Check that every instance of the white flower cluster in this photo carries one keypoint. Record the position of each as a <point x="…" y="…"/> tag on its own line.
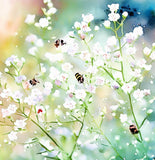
<point x="10" y="110"/>
<point x="83" y="27"/>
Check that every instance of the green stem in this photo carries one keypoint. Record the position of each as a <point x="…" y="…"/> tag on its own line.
<point x="105" y="136"/>
<point x="82" y="124"/>
<point x="48" y="135"/>
<point x="122" y="69"/>
<point x="110" y="75"/>
<point x="133" y="114"/>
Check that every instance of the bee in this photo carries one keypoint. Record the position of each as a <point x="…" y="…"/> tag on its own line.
<point x="59" y="42"/>
<point x="79" y="77"/>
<point x="133" y="129"/>
<point x="33" y="82"/>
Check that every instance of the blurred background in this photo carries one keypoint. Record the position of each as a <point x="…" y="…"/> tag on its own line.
<point x="13" y="30"/>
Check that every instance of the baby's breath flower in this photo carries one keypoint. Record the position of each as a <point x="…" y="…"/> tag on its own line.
<point x="127" y="87"/>
<point x="130" y="37"/>
<point x="111" y="41"/>
<point x="85" y="55"/>
<point x="96" y="28"/>
<point x="30" y="19"/>
<point x="106" y="24"/>
<point x="113" y="7"/>
<point x="152" y="56"/>
<point x="123" y="118"/>
<point x="43" y="22"/>
<point x="87" y="18"/>
<point x="80" y="94"/>
<point x="31" y="38"/>
<point x="97" y="49"/>
<point x="113" y="17"/>
<point x="149" y="111"/>
<point x="20" y="124"/>
<point x="11" y="60"/>
<point x="33" y="51"/>
<point x="54" y="73"/>
<point x="69" y="103"/>
<point x="20" y="78"/>
<point x="66" y="67"/>
<point x="51" y="11"/>
<point x="12" y="136"/>
<point x="146" y="51"/>
<point x="99" y="81"/>
<point x="125" y="14"/>
<point x="77" y="25"/>
<point x="138" y="31"/>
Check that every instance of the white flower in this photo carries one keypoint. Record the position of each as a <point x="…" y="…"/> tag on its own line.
<point x="125" y="14"/>
<point x="39" y="43"/>
<point x="97" y="49"/>
<point x="5" y="113"/>
<point x="113" y="16"/>
<point x="69" y="103"/>
<point x="111" y="41"/>
<point x="85" y="27"/>
<point x="54" y="57"/>
<point x="52" y="11"/>
<point x="114" y="107"/>
<point x="80" y="94"/>
<point x="43" y="22"/>
<point x="30" y="19"/>
<point x="56" y="93"/>
<point x="85" y="55"/>
<point x="66" y="67"/>
<point x="33" y="51"/>
<point x="92" y="69"/>
<point x="20" y="124"/>
<point x="149" y="111"/>
<point x="130" y="50"/>
<point x="99" y="81"/>
<point x="123" y="118"/>
<point x="31" y="38"/>
<point x="11" y="60"/>
<point x="146" y="51"/>
<point x="12" y="136"/>
<point x="63" y="77"/>
<point x="136" y="73"/>
<point x="152" y="56"/>
<point x="35" y="97"/>
<point x="54" y="73"/>
<point x="138" y="94"/>
<point x="77" y="25"/>
<point x="20" y="78"/>
<point x="146" y="92"/>
<point x="91" y="88"/>
<point x="113" y="7"/>
<point x="130" y="37"/>
<point x="47" y="88"/>
<point x="6" y="93"/>
<point x="96" y="28"/>
<point x="127" y="87"/>
<point x="106" y="23"/>
<point x="138" y="31"/>
<point x="12" y="108"/>
<point x="87" y="18"/>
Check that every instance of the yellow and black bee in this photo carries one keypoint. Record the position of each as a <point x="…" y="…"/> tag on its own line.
<point x="133" y="129"/>
<point x="33" y="82"/>
<point x="79" y="77"/>
<point x="59" y="42"/>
